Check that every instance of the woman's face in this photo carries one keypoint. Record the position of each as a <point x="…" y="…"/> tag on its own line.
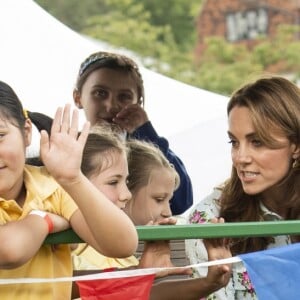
<point x="105" y="93"/>
<point x="112" y="179"/>
<point x="12" y="158"/>
<point x="152" y="202"/>
<point x="258" y="167"/>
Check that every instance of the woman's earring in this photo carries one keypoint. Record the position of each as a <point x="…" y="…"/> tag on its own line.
<point x="295" y="163"/>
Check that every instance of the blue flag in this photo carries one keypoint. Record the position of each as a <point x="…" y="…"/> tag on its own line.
<point x="275" y="273"/>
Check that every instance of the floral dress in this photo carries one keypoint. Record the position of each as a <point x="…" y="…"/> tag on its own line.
<point x="239" y="286"/>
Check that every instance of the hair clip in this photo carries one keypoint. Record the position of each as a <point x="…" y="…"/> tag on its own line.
<point x="104" y="55"/>
<point x="92" y="59"/>
<point x="25" y="113"/>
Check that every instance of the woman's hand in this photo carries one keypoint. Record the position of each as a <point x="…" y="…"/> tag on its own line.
<point x="218" y="275"/>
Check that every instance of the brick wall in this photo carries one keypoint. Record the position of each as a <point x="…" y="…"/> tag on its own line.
<point x="241" y="21"/>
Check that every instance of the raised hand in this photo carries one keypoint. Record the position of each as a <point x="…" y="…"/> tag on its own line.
<point x="61" y="152"/>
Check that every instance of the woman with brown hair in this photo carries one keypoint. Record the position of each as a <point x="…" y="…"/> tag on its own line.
<point x="264" y="133"/>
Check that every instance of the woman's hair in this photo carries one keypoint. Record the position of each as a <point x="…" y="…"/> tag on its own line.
<point x="274" y="105"/>
<point x="112" y="61"/>
<point x="101" y="143"/>
<point x="143" y="157"/>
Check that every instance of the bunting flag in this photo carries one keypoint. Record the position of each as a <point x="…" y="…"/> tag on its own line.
<point x="133" y="287"/>
<point x="275" y="273"/>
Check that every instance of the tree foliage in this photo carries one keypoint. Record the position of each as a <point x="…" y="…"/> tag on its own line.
<point x="164" y="34"/>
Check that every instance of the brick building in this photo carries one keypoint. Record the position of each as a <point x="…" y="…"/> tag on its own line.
<point x="242" y="21"/>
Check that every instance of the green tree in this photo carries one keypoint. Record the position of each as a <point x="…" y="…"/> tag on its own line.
<point x="163" y="33"/>
<point x="73" y="13"/>
<point x="179" y="15"/>
<point x="224" y="66"/>
<point x="134" y="30"/>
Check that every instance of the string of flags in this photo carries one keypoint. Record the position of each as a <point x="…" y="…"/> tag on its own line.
<point x="274" y="273"/>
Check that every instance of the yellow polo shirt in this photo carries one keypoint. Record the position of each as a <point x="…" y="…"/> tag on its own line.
<point x="43" y="193"/>
<point x="85" y="257"/>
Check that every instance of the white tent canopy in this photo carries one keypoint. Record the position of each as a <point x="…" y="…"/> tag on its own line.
<point x="40" y="58"/>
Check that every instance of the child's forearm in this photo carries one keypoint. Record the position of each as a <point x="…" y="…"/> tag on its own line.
<point x="111" y="228"/>
<point x="183" y="289"/>
<point x="21" y="240"/>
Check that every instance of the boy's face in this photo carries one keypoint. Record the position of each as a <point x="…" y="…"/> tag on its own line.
<point x="105" y="93"/>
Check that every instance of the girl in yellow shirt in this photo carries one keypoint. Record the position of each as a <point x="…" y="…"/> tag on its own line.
<point x="59" y="189"/>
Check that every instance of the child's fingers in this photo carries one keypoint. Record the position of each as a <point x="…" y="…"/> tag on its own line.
<point x="56" y="124"/>
<point x="167" y="221"/>
<point x="65" y="122"/>
<point x="84" y="133"/>
<point x="150" y="223"/>
<point x="44" y="143"/>
<point x="127" y="110"/>
<point x="73" y="130"/>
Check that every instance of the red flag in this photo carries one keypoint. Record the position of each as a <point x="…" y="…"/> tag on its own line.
<point x="133" y="287"/>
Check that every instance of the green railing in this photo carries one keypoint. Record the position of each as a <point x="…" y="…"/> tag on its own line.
<point x="191" y="231"/>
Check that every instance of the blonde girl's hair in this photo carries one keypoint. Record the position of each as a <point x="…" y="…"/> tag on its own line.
<point x="143" y="157"/>
<point x="101" y="144"/>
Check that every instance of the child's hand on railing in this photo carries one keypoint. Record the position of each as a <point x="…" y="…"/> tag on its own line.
<point x="218" y="249"/>
<point x="59" y="223"/>
<point x="164" y="221"/>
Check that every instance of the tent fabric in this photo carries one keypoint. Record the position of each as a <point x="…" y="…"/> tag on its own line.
<point x="40" y="58"/>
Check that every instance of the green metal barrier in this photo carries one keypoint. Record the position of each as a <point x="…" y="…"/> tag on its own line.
<point x="191" y="231"/>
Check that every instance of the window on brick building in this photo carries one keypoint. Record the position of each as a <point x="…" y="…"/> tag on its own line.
<point x="246" y="25"/>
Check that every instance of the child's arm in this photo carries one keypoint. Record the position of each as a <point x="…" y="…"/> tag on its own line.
<point x="157" y="254"/>
<point x="20" y="240"/>
<point x="191" y="289"/>
<point x="98" y="221"/>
